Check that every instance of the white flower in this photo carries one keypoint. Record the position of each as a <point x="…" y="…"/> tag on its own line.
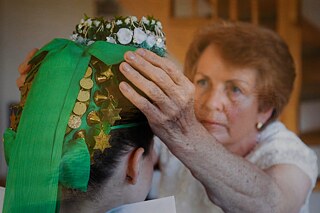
<point x="96" y="23"/>
<point x="145" y="20"/>
<point x="111" y="40"/>
<point x="159" y="24"/>
<point x="80" y="39"/>
<point x="82" y="21"/>
<point x="139" y="36"/>
<point x="74" y="37"/>
<point x="160" y="42"/>
<point x="80" y="26"/>
<point x="127" y="21"/>
<point x="124" y="35"/>
<point x="108" y="26"/>
<point x="88" y="22"/>
<point x="153" y="22"/>
<point x="90" y="42"/>
<point x="119" y="22"/>
<point x="134" y="19"/>
<point x="151" y="40"/>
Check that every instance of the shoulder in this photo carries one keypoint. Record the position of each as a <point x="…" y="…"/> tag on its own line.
<point x="278" y="145"/>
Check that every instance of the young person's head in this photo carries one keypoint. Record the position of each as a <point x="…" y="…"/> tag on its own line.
<point x="89" y="148"/>
<point x="121" y="174"/>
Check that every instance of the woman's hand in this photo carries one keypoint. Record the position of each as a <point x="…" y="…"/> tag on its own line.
<point x="169" y="108"/>
<point x="24" y="68"/>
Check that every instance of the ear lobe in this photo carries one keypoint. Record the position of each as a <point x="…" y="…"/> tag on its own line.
<point x="264" y="116"/>
<point x="133" y="167"/>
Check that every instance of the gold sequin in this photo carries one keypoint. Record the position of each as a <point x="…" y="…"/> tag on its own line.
<point x="88" y="72"/>
<point x="86" y="83"/>
<point x="74" y="122"/>
<point x="83" y="95"/>
<point x="79" y="108"/>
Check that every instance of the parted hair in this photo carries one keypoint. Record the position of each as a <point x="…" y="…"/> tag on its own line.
<point x="245" y="45"/>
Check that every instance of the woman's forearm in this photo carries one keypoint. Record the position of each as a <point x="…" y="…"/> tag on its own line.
<point x="231" y="182"/>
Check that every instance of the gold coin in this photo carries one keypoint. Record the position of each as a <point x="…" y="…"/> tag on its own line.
<point x="79" y="108"/>
<point x="86" y="83"/>
<point x="74" y="122"/>
<point x="88" y="72"/>
<point x="83" y="95"/>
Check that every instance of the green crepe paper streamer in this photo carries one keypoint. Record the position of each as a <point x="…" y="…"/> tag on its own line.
<point x="9" y="136"/>
<point x="36" y="153"/>
<point x="75" y="153"/>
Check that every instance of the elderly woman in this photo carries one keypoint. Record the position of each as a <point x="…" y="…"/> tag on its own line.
<point x="221" y="122"/>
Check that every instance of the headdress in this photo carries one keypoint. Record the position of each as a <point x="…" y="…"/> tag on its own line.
<point x="69" y="103"/>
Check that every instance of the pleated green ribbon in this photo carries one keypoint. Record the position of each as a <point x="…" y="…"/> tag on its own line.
<point x="37" y="156"/>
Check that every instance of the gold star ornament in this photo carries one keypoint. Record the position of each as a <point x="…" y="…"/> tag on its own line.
<point x="102" y="141"/>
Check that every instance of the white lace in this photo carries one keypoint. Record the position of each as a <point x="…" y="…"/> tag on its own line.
<point x="278" y="145"/>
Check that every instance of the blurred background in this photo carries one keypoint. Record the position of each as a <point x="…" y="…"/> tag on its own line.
<point x="26" y="24"/>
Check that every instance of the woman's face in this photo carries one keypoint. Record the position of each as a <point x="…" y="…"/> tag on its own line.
<point x="226" y="101"/>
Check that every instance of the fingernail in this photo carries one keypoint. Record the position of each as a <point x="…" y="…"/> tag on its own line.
<point x="126" y="67"/>
<point x="141" y="52"/>
<point x="123" y="86"/>
<point x="131" y="55"/>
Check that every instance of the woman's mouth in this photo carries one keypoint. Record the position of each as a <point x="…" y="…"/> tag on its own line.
<point x="211" y="124"/>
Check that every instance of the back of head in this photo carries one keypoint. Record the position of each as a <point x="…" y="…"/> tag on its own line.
<point x="245" y="45"/>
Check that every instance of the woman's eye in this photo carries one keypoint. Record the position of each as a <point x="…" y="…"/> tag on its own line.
<point x="235" y="89"/>
<point x="202" y="82"/>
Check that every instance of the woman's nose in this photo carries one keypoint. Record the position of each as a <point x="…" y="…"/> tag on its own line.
<point x="215" y="99"/>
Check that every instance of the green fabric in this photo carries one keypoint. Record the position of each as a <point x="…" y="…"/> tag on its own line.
<point x="37" y="154"/>
<point x="75" y="155"/>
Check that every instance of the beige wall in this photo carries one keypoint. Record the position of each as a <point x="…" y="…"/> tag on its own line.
<point x="25" y="24"/>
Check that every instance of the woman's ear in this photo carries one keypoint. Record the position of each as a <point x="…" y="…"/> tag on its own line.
<point x="133" y="167"/>
<point x="264" y="116"/>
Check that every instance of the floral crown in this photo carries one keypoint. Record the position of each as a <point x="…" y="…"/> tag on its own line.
<point x="145" y="33"/>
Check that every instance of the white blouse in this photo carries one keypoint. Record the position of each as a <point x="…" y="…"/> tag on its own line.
<point x="276" y="145"/>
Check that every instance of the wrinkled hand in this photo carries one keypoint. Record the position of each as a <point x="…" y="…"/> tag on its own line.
<point x="169" y="109"/>
<point x="24" y="68"/>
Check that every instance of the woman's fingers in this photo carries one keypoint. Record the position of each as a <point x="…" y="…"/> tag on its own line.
<point x="20" y="80"/>
<point x="150" y="76"/>
<point x="25" y="67"/>
<point x="165" y="64"/>
<point x="147" y="108"/>
<point x="150" y="71"/>
<point x="158" y="97"/>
